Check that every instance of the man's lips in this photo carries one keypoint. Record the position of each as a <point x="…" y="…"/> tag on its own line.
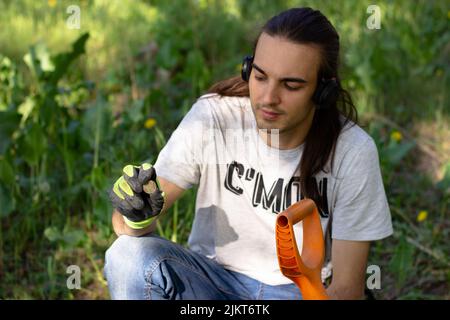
<point x="269" y="115"/>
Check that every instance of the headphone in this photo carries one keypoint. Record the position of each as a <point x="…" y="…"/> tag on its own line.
<point x="327" y="89"/>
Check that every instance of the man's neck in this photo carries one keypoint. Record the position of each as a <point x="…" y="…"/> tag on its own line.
<point x="284" y="140"/>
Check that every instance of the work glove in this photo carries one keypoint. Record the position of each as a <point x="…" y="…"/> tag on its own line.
<point x="137" y="195"/>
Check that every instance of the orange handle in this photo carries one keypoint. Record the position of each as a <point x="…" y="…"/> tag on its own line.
<point x="304" y="270"/>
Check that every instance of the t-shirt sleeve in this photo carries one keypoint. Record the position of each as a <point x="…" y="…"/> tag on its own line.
<point x="180" y="159"/>
<point x="361" y="212"/>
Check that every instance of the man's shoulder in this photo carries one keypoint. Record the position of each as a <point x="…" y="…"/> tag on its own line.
<point x="223" y="101"/>
<point x="214" y="108"/>
<point x="210" y="96"/>
<point x="354" y="138"/>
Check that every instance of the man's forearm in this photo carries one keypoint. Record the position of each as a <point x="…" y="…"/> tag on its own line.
<point x="339" y="292"/>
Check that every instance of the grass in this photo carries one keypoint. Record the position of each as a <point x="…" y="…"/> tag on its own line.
<point x="64" y="142"/>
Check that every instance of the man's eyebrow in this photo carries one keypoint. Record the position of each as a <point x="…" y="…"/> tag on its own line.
<point x="282" y="79"/>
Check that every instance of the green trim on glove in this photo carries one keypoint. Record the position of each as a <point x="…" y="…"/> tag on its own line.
<point x="140" y="224"/>
<point x="122" y="186"/>
<point x="129" y="170"/>
<point x="146" y="166"/>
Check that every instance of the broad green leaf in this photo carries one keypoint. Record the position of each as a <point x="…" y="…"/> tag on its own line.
<point x="73" y="238"/>
<point x="103" y="208"/>
<point x="401" y="263"/>
<point x="62" y="61"/>
<point x="33" y="144"/>
<point x="135" y="111"/>
<point x="52" y="234"/>
<point x="10" y="84"/>
<point x="6" y="173"/>
<point x="396" y="152"/>
<point x="7" y="201"/>
<point x="9" y="122"/>
<point x="26" y="108"/>
<point x="97" y="124"/>
<point x="66" y="238"/>
<point x="98" y="178"/>
<point x="38" y="60"/>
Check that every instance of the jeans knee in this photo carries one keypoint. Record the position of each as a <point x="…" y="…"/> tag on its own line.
<point x="127" y="261"/>
<point x="133" y="251"/>
<point x="133" y="254"/>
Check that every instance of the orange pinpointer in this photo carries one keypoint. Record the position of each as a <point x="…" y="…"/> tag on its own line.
<point x="305" y="269"/>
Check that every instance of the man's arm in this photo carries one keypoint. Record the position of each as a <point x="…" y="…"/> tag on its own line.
<point x="349" y="260"/>
<point x="172" y="192"/>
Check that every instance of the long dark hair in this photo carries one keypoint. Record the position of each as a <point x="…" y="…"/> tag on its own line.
<point x="308" y="26"/>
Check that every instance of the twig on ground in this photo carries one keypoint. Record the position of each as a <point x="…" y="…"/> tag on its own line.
<point x="437" y="255"/>
<point x="423" y="145"/>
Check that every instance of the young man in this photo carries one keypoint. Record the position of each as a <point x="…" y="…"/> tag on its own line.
<point x="254" y="146"/>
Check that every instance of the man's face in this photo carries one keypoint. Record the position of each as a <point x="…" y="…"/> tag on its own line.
<point x="277" y="101"/>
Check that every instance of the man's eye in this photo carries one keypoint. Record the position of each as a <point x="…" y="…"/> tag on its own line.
<point x="259" y="78"/>
<point x="292" y="88"/>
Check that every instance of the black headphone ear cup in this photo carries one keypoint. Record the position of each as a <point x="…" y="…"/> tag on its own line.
<point x="246" y="68"/>
<point x="318" y="93"/>
<point x="326" y="92"/>
<point x="331" y="92"/>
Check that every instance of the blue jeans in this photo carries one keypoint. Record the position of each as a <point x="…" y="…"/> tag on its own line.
<point x="154" y="268"/>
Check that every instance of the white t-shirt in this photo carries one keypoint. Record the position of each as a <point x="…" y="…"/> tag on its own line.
<point x="243" y="184"/>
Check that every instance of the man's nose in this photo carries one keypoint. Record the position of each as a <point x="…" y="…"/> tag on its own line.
<point x="270" y="95"/>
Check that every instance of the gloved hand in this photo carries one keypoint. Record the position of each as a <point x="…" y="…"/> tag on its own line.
<point x="137" y="195"/>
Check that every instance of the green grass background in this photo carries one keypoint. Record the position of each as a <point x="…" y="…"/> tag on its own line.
<point x="71" y="116"/>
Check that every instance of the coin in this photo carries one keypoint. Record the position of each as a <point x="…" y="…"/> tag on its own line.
<point x="150" y="187"/>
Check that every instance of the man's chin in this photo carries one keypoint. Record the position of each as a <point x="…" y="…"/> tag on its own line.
<point x="265" y="125"/>
<point x="270" y="130"/>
